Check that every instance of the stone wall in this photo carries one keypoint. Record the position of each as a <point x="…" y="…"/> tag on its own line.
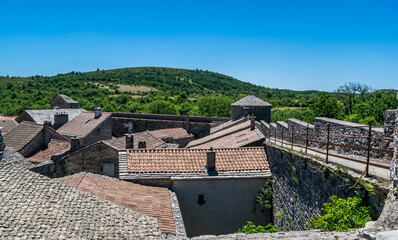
<point x="389" y="122"/>
<point x="101" y="132"/>
<point x="225" y="207"/>
<point x="301" y="187"/>
<point x="2" y="146"/>
<point x="45" y="168"/>
<point x="199" y="126"/>
<point x="89" y="159"/>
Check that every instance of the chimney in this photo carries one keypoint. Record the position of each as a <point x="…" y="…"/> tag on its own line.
<point x="141" y="144"/>
<point x="211" y="160"/>
<point x="129" y="141"/>
<point x="97" y="112"/>
<point x="74" y="144"/>
<point x="60" y="119"/>
<point x="46" y="133"/>
<point x="187" y="122"/>
<point x="252" y="122"/>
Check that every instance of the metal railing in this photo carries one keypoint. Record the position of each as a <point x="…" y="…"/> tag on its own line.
<point x="309" y="140"/>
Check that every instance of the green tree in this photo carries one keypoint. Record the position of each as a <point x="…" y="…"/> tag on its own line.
<point x="162" y="107"/>
<point x="326" y="106"/>
<point x="215" y="106"/>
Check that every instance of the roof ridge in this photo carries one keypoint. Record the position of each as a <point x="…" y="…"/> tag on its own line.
<point x="191" y="149"/>
<point x="80" y="180"/>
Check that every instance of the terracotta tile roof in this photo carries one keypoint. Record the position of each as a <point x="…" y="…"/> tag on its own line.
<point x="7" y="117"/>
<point x="21" y="135"/>
<point x="184" y="160"/>
<point x="235" y="136"/>
<point x="251" y="100"/>
<point x="151" y="140"/>
<point x="147" y="200"/>
<point x="83" y="124"/>
<point x="7" y="124"/>
<point x="54" y="147"/>
<point x="171" y="132"/>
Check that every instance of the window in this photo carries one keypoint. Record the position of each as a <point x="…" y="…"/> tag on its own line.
<point x="201" y="199"/>
<point x="108" y="169"/>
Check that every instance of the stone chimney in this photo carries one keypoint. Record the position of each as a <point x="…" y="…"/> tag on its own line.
<point x="46" y="133"/>
<point x="129" y="141"/>
<point x="60" y="119"/>
<point x="141" y="144"/>
<point x="97" y="112"/>
<point x="75" y="144"/>
<point x="252" y="122"/>
<point x="187" y="122"/>
<point x="211" y="160"/>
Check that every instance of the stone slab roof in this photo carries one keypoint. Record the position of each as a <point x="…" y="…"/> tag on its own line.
<point x="171" y="132"/>
<point x="83" y="124"/>
<point x="251" y="100"/>
<point x="151" y="140"/>
<point x="184" y="160"/>
<point x="21" y="135"/>
<point x="40" y="116"/>
<point x="54" y="147"/>
<point x="33" y="206"/>
<point x="67" y="99"/>
<point x="234" y="136"/>
<point x="148" y="200"/>
<point x="228" y="124"/>
<point x="7" y="124"/>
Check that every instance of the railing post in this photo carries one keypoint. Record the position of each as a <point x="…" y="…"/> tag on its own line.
<point x="269" y="134"/>
<point x="275" y="136"/>
<point x="327" y="145"/>
<point x="282" y="137"/>
<point x="306" y="141"/>
<point x="369" y="146"/>
<point x="292" y="137"/>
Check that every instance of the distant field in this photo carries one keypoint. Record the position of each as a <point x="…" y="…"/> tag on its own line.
<point x="128" y="88"/>
<point x="282" y="108"/>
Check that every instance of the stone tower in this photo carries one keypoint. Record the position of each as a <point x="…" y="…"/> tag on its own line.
<point x="251" y="105"/>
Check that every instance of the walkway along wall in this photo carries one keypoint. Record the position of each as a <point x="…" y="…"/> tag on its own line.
<point x="302" y="184"/>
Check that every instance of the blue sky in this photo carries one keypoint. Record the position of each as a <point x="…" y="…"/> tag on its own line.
<point x="296" y="45"/>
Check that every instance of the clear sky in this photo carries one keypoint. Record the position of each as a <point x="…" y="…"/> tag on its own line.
<point x="294" y="44"/>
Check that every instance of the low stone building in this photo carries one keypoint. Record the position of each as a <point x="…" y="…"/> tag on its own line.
<point x="136" y="140"/>
<point x="57" y="117"/>
<point x="89" y="127"/>
<point x="29" y="138"/>
<point x="7" y="124"/>
<point x="251" y="105"/>
<point x="216" y="189"/>
<point x="63" y="101"/>
<point x="179" y="136"/>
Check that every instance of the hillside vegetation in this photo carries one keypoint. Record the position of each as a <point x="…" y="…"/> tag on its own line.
<point x="169" y="91"/>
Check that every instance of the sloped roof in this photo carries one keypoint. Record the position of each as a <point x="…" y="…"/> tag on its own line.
<point x="40" y="116"/>
<point x="235" y="136"/>
<point x="251" y="100"/>
<point x="171" y="132"/>
<point x="148" y="200"/>
<point x="38" y="207"/>
<point x="21" y="135"/>
<point x="7" y="124"/>
<point x="83" y="124"/>
<point x="54" y="147"/>
<point x="67" y="99"/>
<point x="184" y="160"/>
<point x="151" y="140"/>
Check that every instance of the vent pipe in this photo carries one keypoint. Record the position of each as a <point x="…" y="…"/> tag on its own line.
<point x="97" y="112"/>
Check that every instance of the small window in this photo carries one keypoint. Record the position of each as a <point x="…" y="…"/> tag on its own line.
<point x="201" y="199"/>
<point x="108" y="169"/>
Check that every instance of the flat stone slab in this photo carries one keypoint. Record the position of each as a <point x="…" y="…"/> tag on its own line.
<point x="389" y="235"/>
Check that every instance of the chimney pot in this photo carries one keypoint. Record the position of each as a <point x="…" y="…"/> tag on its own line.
<point x="252" y="122"/>
<point x="97" y="112"/>
<point x="129" y="141"/>
<point x="211" y="160"/>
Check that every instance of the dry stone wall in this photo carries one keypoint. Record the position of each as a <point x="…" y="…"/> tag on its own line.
<point x="301" y="186"/>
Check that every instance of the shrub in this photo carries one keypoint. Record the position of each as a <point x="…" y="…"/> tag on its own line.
<point x="342" y="215"/>
<point x="264" y="197"/>
<point x="250" y="228"/>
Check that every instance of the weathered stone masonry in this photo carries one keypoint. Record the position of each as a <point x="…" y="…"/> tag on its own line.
<point x="301" y="186"/>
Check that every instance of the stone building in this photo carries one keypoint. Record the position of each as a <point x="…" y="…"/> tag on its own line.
<point x="251" y="105"/>
<point x="216" y="189"/>
<point x="89" y="127"/>
<point x="62" y="101"/>
<point x="179" y="136"/>
<point x="29" y="138"/>
<point x="7" y="124"/>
